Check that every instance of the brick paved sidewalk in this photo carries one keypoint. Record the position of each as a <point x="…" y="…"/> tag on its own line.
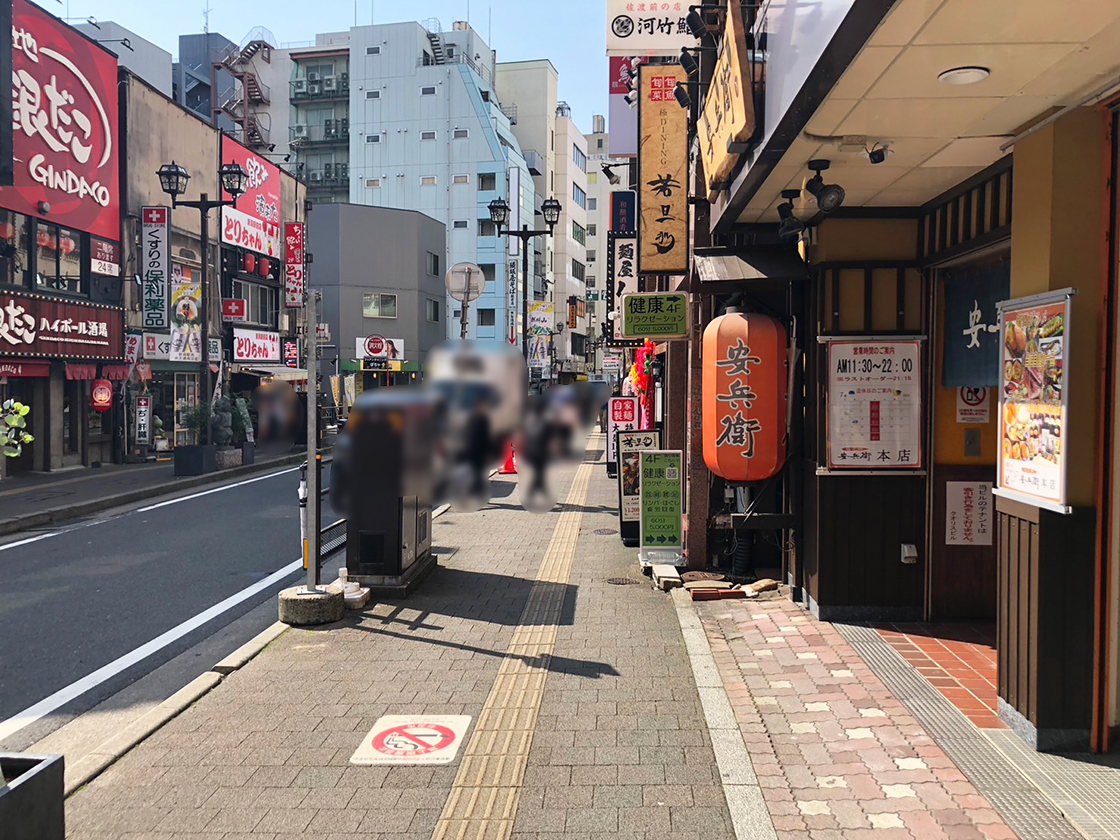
<point x="836" y="753"/>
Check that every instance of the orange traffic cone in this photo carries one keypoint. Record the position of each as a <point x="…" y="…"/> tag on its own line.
<point x="510" y="466"/>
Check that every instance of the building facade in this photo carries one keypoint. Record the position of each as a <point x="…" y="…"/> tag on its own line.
<point x="570" y="270"/>
<point x="142" y="57"/>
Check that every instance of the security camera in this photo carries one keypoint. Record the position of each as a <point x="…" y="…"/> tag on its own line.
<point x="878" y="153"/>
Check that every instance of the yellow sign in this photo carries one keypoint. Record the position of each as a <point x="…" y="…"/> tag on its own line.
<point x="727" y="122"/>
<point x="662" y="171"/>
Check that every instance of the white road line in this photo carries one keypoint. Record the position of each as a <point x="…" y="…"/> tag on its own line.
<point x="216" y="490"/>
<point x="28" y="540"/>
<point x="76" y="689"/>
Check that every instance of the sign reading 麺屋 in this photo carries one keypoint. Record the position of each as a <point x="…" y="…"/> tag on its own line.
<point x="38" y="326"/>
<point x="662" y="171"/>
<point x="254" y="224"/>
<point x="727" y="121"/>
<point x="64" y="116"/>
<point x="622" y="279"/>
<point x="255" y="346"/>
<point x="655" y="315"/>
<point x="155" y="261"/>
<point x="661" y="481"/>
<point x="635" y="28"/>
<point x="622" y="415"/>
<point x="143" y="420"/>
<point x="968" y="513"/>
<point x="293" y="264"/>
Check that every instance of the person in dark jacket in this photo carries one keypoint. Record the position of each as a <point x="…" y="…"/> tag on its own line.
<point x="478" y="445"/>
<point x="536" y="451"/>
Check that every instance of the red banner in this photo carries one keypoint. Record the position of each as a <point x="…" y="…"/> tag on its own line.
<point x="293" y="264"/>
<point x="64" y="114"/>
<point x="34" y="325"/>
<point x="255" y="223"/>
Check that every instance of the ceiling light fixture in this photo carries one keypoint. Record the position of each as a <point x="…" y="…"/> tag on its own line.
<point x="964" y="75"/>
<point x="791" y="226"/>
<point x="829" y="196"/>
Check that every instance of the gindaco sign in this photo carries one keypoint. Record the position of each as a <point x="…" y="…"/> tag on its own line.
<point x="64" y="115"/>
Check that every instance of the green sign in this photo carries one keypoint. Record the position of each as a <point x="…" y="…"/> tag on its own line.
<point x="655" y="315"/>
<point x="661" y="491"/>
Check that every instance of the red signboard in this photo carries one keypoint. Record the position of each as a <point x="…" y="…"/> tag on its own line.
<point x="235" y="310"/>
<point x="255" y="223"/>
<point x="24" y="369"/>
<point x="101" y="395"/>
<point x="64" y="115"/>
<point x="293" y="264"/>
<point x="289" y="352"/>
<point x="38" y="326"/>
<point x="745" y="393"/>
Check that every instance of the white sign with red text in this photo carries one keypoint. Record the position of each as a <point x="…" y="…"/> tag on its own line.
<point x="622" y="416"/>
<point x="254" y="224"/>
<point x="256" y="346"/>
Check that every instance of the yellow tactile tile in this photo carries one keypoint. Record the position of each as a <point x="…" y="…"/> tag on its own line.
<point x="487" y="787"/>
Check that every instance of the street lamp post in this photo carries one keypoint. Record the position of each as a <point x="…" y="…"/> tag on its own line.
<point x="499" y="215"/>
<point x="173" y="179"/>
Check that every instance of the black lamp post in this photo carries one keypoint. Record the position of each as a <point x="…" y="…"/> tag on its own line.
<point x="173" y="179"/>
<point x="499" y="215"/>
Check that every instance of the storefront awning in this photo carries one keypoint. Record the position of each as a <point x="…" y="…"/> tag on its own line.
<point x="758" y="264"/>
<point x="280" y="372"/>
<point x="80" y="372"/>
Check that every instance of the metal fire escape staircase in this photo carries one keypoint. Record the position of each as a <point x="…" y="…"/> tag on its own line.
<point x="439" y="54"/>
<point x="249" y="92"/>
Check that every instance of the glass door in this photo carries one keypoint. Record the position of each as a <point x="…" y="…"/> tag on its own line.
<point x="186" y="397"/>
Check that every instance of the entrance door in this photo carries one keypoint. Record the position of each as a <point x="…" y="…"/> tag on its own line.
<point x="22" y="390"/>
<point x="186" y="397"/>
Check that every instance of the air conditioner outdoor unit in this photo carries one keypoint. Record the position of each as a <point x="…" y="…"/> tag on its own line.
<point x="315" y="177"/>
<point x="314" y="89"/>
<point x="299" y="131"/>
<point x="327" y="171"/>
<point x="312" y="77"/>
<point x="343" y="171"/>
<point x="330" y="83"/>
<point x="299" y="86"/>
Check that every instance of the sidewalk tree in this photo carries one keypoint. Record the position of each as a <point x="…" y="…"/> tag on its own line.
<point x="13" y="434"/>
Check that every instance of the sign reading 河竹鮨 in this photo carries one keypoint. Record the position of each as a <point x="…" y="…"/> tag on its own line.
<point x="662" y="171"/>
<point x="647" y="28"/>
<point x="661" y="493"/>
<point x="968" y="513"/>
<point x="630" y="446"/>
<point x="874" y="405"/>
<point x="155" y="239"/>
<point x="655" y="315"/>
<point x="727" y="121"/>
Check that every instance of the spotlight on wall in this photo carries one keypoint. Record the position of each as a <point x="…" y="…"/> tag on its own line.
<point x="829" y="196"/>
<point x="696" y="24"/>
<point x="688" y="62"/>
<point x="631" y="98"/>
<point x="680" y="93"/>
<point x="791" y="226"/>
<point x="612" y="176"/>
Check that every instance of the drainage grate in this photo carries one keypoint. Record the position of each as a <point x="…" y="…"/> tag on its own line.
<point x="622" y="581"/>
<point x="605" y="532"/>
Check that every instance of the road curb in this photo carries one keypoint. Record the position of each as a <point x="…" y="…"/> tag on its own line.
<point x="90" y="766"/>
<point x="50" y="516"/>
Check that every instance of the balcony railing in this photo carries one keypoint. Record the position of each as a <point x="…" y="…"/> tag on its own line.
<point x="332" y="133"/>
<point x="320" y="88"/>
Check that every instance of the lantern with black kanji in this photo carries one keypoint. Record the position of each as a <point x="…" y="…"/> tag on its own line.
<point x="745" y="394"/>
<point x="101" y="395"/>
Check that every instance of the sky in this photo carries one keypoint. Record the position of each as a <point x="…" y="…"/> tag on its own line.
<point x="571" y="33"/>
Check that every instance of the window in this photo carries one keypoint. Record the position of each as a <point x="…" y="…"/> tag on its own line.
<point x="486" y="317"/>
<point x="485" y="95"/>
<point x="427" y="180"/>
<point x="377" y="305"/>
<point x="373" y="94"/>
<point x="579" y="196"/>
<point x="487" y="181"/>
<point x="578" y="270"/>
<point x="58" y="259"/>
<point x="462" y="133"/>
<point x="431" y="261"/>
<point x="488" y="270"/>
<point x="579" y="344"/>
<point x="373" y="183"/>
<point x="599" y="143"/>
<point x="592" y="178"/>
<point x="433" y="311"/>
<point x="552" y="141"/>
<point x="450" y="51"/>
<point x="591" y="230"/>
<point x="373" y="50"/>
<point x="579" y="157"/>
<point x="460" y="179"/>
<point x="427" y="135"/>
<point x="592" y="204"/>
<point x="591" y="282"/>
<point x="590" y="256"/>
<point x="14" y="261"/>
<point x="487" y="228"/>
<point x="373" y="138"/>
<point x="578" y="233"/>
<point x="428" y="90"/>
<point x="458" y="313"/>
<point x="263" y="302"/>
<point x="459" y="224"/>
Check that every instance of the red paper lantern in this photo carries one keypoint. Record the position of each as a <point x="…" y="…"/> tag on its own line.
<point x="7" y="231"/>
<point x="745" y="394"/>
<point x="250" y="263"/>
<point x="68" y="245"/>
<point x="263" y="267"/>
<point x="101" y="395"/>
<point x="44" y="239"/>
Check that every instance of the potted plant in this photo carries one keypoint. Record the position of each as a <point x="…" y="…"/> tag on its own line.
<point x="200" y="458"/>
<point x="13" y="428"/>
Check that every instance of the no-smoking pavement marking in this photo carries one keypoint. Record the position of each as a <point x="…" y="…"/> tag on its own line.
<point x="412" y="739"/>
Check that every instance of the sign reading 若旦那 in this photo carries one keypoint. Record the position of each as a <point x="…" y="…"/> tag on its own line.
<point x="660" y="490"/>
<point x="655" y="315"/>
<point x="874" y="405"/>
<point x="155" y="261"/>
<point x="254" y="224"/>
<point x="727" y="121"/>
<point x="662" y="171"/>
<point x="64" y="118"/>
<point x="293" y="264"/>
<point x="647" y="28"/>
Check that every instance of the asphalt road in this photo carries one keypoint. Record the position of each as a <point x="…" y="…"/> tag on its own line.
<point x="98" y="589"/>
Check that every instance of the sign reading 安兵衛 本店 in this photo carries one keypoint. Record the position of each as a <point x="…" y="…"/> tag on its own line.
<point x="655" y="315"/>
<point x="727" y="121"/>
<point x="660" y="490"/>
<point x="647" y="28"/>
<point x="662" y="171"/>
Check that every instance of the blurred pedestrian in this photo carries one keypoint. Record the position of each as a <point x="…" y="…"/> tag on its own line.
<point x="536" y="452"/>
<point x="478" y="447"/>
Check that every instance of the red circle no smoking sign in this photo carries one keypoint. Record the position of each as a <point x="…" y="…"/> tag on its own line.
<point x="414" y="739"/>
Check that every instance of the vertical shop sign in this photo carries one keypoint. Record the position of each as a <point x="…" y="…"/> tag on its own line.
<point x="289" y="352"/>
<point x="972" y="339"/>
<point x="156" y="261"/>
<point x="727" y="121"/>
<point x="624" y="210"/>
<point x="293" y="264"/>
<point x="968" y="513"/>
<point x="512" y="301"/>
<point x="186" y="316"/>
<point x="660" y="491"/>
<point x="622" y="279"/>
<point x="540" y="334"/>
<point x="630" y="445"/>
<point x="1034" y="405"/>
<point x="874" y="405"/>
<point x="662" y="171"/>
<point x="622" y="415"/>
<point x="143" y="420"/>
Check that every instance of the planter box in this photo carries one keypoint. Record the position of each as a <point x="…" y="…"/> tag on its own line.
<point x="248" y="453"/>
<point x="228" y="458"/>
<point x="195" y="460"/>
<point x="31" y="804"/>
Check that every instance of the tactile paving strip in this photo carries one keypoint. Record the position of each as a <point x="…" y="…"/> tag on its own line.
<point x="483" y="801"/>
<point x="1031" y="814"/>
